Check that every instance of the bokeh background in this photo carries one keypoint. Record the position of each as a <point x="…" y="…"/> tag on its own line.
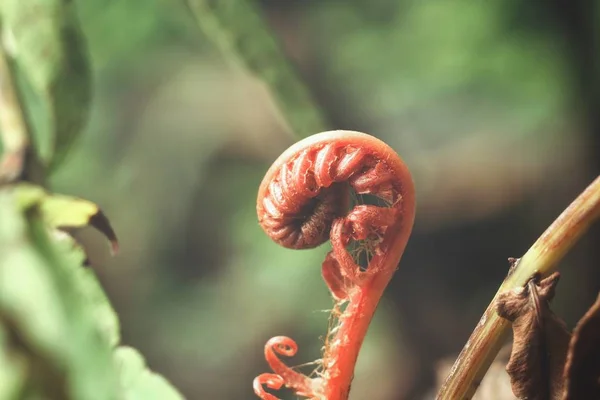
<point x="493" y="105"/>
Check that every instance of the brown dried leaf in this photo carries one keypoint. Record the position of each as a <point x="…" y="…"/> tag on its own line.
<point x="582" y="370"/>
<point x="540" y="340"/>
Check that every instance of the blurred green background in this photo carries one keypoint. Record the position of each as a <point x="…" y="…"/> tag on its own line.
<point x="493" y="105"/>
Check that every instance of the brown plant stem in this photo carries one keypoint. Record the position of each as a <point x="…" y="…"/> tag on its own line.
<point x="543" y="257"/>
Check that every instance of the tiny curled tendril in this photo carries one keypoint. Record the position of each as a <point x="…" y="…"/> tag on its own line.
<point x="283" y="375"/>
<point x="304" y="201"/>
<point x="272" y="381"/>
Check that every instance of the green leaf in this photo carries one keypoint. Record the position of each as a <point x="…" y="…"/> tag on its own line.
<point x="64" y="212"/>
<point x="88" y="290"/>
<point x="137" y="381"/>
<point x="44" y="39"/>
<point x="12" y="368"/>
<point x="57" y="329"/>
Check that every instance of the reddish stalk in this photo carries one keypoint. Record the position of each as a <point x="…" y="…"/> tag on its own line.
<point x="303" y="201"/>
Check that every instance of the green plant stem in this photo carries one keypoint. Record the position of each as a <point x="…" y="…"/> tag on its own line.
<point x="543" y="257"/>
<point x="13" y="128"/>
<point x="242" y="34"/>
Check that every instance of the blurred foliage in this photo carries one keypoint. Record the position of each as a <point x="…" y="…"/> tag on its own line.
<point x="44" y="40"/>
<point x="243" y="35"/>
<point x="426" y="65"/>
<point x="52" y="328"/>
<point x="58" y="332"/>
<point x="179" y="137"/>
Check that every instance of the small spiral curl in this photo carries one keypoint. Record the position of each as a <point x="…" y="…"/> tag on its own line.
<point x="272" y="381"/>
<point x="283" y="375"/>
